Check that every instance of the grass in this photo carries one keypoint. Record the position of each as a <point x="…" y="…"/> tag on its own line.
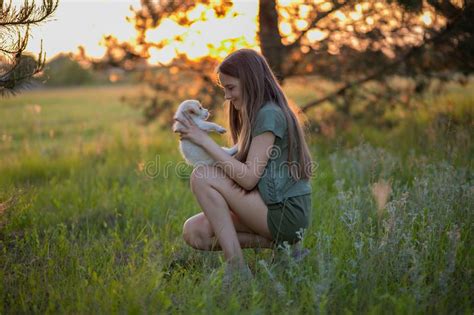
<point x="93" y="205"/>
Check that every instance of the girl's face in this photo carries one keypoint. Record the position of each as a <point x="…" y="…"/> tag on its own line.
<point x="232" y="90"/>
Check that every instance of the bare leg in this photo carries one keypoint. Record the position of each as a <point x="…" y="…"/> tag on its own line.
<point x="198" y="233"/>
<point x="228" y="209"/>
<point x="246" y="240"/>
<point x="249" y="240"/>
<point x="217" y="211"/>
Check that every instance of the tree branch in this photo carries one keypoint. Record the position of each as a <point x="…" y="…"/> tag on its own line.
<point x="18" y="70"/>
<point x="296" y="44"/>
<point x="382" y="71"/>
<point x="313" y="23"/>
<point x="27" y="15"/>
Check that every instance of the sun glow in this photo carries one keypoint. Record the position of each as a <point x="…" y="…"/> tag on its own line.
<point x="426" y="18"/>
<point x="201" y="38"/>
<point x="341" y="16"/>
<point x="316" y="35"/>
<point x="83" y="23"/>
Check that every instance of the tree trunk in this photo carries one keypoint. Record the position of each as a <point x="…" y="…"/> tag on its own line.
<point x="270" y="38"/>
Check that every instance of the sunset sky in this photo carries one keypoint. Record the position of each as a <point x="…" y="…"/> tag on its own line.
<point x="84" y="22"/>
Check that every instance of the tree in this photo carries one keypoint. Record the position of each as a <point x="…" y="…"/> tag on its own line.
<point x="358" y="45"/>
<point x="195" y="77"/>
<point x="395" y="42"/>
<point x="15" y="23"/>
<point x="63" y="70"/>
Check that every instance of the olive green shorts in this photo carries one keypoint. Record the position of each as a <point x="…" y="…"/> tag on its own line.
<point x="285" y="219"/>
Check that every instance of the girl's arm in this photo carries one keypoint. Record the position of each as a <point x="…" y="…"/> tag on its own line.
<point x="245" y="174"/>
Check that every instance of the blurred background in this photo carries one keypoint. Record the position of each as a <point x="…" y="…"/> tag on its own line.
<point x="339" y="61"/>
<point x="94" y="191"/>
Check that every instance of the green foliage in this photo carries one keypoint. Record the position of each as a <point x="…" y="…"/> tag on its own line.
<point x="360" y="44"/>
<point x="16" y="20"/>
<point x="98" y="203"/>
<point x="63" y="71"/>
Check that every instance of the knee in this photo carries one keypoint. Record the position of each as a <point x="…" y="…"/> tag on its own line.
<point x="197" y="235"/>
<point x="202" y="176"/>
<point x="197" y="179"/>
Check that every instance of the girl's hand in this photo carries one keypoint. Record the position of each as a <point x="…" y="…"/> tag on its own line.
<point x="191" y="131"/>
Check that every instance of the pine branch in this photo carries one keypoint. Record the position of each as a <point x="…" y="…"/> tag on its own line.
<point x="15" y="73"/>
<point x="28" y="14"/>
<point x="18" y="75"/>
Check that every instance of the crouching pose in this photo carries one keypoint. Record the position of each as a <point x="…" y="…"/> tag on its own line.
<point x="261" y="196"/>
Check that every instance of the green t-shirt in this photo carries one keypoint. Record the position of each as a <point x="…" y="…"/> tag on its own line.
<point x="276" y="184"/>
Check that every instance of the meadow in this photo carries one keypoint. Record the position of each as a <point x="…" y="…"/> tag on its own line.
<point x="92" y="205"/>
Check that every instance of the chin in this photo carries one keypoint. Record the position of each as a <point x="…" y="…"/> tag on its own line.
<point x="235" y="106"/>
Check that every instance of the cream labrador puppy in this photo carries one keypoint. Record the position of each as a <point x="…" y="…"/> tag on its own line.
<point x="192" y="153"/>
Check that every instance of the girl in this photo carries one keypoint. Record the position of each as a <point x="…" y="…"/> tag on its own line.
<point x="261" y="196"/>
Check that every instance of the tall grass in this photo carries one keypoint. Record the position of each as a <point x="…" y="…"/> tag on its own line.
<point x="93" y="211"/>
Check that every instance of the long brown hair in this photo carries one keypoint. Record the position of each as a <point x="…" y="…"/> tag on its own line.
<point x="259" y="86"/>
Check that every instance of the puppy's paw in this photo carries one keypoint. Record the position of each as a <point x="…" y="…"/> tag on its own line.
<point x="177" y="127"/>
<point x="231" y="151"/>
<point x="221" y="130"/>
